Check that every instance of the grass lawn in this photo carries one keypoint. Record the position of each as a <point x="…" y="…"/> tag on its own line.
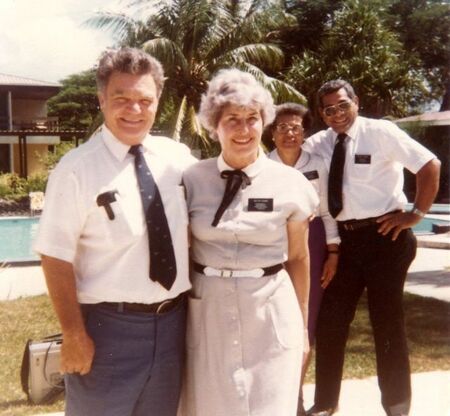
<point x="427" y="322"/>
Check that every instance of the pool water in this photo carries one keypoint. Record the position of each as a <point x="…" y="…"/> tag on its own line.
<point x="16" y="237"/>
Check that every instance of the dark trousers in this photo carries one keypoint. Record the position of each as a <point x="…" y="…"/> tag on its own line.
<point x="368" y="260"/>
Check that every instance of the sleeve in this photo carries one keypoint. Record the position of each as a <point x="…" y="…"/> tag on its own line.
<point x="331" y="230"/>
<point x="304" y="197"/>
<point x="315" y="143"/>
<point x="398" y="146"/>
<point x="62" y="218"/>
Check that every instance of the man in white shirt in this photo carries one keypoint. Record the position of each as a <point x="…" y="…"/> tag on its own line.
<point x="123" y="325"/>
<point x="366" y="159"/>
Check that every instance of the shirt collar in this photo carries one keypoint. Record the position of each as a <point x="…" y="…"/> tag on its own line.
<point x="251" y="170"/>
<point x="116" y="147"/>
<point x="300" y="163"/>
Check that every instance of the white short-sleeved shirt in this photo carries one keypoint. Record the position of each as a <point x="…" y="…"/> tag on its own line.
<point x="252" y="231"/>
<point x="111" y="257"/>
<point x="314" y="169"/>
<point x="376" y="153"/>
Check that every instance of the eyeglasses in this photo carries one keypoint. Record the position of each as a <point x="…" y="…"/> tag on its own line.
<point x="284" y="128"/>
<point x="333" y="109"/>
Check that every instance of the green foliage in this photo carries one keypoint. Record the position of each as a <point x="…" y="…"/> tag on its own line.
<point x="194" y="39"/>
<point x="12" y="186"/>
<point x="15" y="188"/>
<point x="431" y="43"/>
<point x="76" y="105"/>
<point x="358" y="48"/>
<point x="50" y="159"/>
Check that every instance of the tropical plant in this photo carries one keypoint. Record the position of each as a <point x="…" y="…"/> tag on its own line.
<point x="358" y="48"/>
<point x="76" y="105"/>
<point x="431" y="42"/>
<point x="194" y="39"/>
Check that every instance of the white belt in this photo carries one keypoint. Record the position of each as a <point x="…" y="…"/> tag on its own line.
<point x="211" y="271"/>
<point x="259" y="272"/>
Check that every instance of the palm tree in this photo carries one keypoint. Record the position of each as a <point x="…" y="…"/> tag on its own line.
<point x="194" y="39"/>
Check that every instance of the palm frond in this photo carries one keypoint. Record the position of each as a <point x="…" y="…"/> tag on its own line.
<point x="195" y="128"/>
<point x="118" y="24"/>
<point x="179" y="120"/>
<point x="261" y="55"/>
<point x="280" y="90"/>
<point x="168" y="52"/>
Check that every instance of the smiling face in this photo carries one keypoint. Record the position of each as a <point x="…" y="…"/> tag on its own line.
<point x="288" y="133"/>
<point x="129" y="104"/>
<point x="239" y="131"/>
<point x="342" y="119"/>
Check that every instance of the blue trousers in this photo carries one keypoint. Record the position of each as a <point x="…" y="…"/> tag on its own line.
<point x="137" y="367"/>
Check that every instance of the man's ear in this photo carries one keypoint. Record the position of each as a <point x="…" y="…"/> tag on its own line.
<point x="356" y="101"/>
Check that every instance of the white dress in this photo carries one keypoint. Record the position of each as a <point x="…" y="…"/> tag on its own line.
<point x="244" y="334"/>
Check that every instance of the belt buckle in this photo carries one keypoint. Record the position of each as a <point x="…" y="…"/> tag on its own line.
<point x="161" y="306"/>
<point x="226" y="273"/>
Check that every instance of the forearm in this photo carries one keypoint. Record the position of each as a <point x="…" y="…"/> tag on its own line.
<point x="77" y="350"/>
<point x="61" y="284"/>
<point x="427" y="185"/>
<point x="298" y="270"/>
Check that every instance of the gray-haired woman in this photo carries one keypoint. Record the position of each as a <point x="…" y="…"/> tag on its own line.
<point x="249" y="221"/>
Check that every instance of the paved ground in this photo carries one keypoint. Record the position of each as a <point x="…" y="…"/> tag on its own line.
<point x="429" y="276"/>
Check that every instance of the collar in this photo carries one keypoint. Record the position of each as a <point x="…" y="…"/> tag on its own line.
<point x="301" y="162"/>
<point x="116" y="147"/>
<point x="251" y="170"/>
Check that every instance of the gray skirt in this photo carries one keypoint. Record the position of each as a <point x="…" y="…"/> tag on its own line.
<point x="244" y="347"/>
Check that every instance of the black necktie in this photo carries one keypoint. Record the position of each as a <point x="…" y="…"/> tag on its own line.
<point x="235" y="180"/>
<point x="163" y="268"/>
<point x="335" y="176"/>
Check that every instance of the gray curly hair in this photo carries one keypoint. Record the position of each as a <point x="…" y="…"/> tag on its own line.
<point x="232" y="86"/>
<point x="129" y="61"/>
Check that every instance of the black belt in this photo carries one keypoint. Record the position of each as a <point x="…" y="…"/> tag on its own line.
<point x="352" y="225"/>
<point x="158" y="307"/>
<point x="264" y="271"/>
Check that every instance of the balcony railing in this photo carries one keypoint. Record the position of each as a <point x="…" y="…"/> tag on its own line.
<point x="33" y="124"/>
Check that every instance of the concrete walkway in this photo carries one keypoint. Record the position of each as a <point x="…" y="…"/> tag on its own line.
<point x="428" y="276"/>
<point x="362" y="397"/>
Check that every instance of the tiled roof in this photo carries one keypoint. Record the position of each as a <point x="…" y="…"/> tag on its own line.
<point x="15" y="80"/>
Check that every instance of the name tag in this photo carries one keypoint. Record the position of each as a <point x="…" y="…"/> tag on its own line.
<point x="260" y="204"/>
<point x="363" y="159"/>
<point x="311" y="175"/>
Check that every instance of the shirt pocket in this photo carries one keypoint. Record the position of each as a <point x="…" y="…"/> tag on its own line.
<point x="112" y="231"/>
<point x="362" y="167"/>
<point x="285" y="315"/>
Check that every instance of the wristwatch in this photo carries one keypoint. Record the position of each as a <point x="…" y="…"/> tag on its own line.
<point x="418" y="212"/>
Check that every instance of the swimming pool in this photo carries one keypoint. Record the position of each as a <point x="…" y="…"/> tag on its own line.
<point x="16" y="237"/>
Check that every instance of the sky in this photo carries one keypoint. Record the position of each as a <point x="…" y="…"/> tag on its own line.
<point x="46" y="39"/>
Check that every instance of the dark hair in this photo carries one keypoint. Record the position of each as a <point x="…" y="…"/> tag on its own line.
<point x="129" y="61"/>
<point x="333" y="86"/>
<point x="292" y="109"/>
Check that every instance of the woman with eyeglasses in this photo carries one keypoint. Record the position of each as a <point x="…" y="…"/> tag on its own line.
<point x="291" y="121"/>
<point x="249" y="220"/>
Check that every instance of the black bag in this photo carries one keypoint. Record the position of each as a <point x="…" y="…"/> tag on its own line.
<point x="40" y="377"/>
